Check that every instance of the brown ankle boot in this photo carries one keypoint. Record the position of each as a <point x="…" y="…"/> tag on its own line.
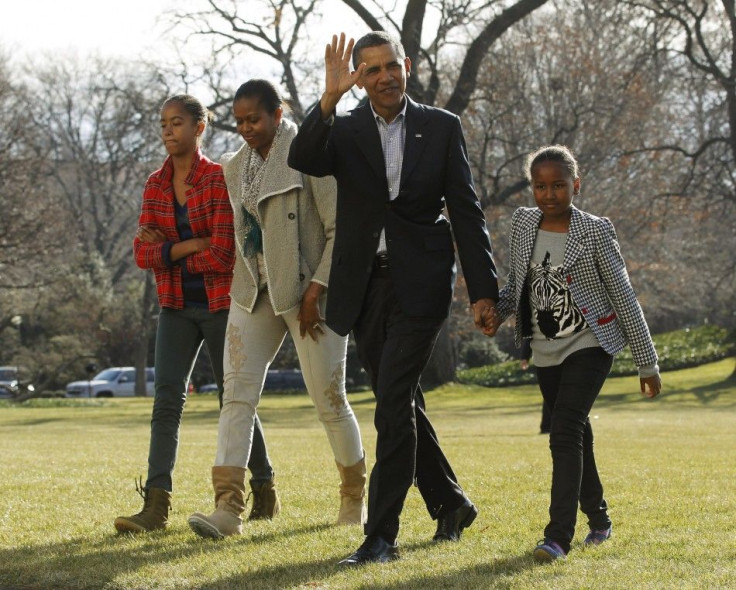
<point x="266" y="502"/>
<point x="229" y="484"/>
<point x="352" y="493"/>
<point x="155" y="513"/>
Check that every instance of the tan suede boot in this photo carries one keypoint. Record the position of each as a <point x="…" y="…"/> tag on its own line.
<point x="155" y="513"/>
<point x="266" y="503"/>
<point x="229" y="485"/>
<point x="352" y="493"/>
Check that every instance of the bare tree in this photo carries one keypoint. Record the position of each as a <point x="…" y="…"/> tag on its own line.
<point x="103" y="141"/>
<point x="82" y="136"/>
<point x="277" y="29"/>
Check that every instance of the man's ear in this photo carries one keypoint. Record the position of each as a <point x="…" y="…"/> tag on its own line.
<point x="407" y="66"/>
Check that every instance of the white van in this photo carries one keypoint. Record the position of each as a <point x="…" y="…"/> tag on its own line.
<point x="112" y="382"/>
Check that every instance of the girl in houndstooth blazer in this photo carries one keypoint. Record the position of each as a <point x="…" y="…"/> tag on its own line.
<point x="571" y="296"/>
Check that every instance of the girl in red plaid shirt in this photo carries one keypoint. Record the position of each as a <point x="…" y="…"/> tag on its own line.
<point x="185" y="235"/>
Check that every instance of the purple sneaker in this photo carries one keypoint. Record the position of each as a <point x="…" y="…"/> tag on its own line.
<point x="596" y="537"/>
<point x="548" y="551"/>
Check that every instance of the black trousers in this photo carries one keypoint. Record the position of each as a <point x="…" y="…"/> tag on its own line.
<point x="570" y="389"/>
<point x="394" y="349"/>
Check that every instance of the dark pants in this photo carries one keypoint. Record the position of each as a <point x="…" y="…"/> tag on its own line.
<point x="178" y="339"/>
<point x="570" y="389"/>
<point x="544" y="425"/>
<point x="394" y="349"/>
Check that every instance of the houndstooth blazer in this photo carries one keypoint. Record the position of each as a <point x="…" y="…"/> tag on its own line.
<point x="596" y="275"/>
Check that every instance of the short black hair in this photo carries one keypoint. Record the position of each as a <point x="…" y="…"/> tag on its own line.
<point x="552" y="153"/>
<point x="374" y="39"/>
<point x="266" y="93"/>
<point x="192" y="105"/>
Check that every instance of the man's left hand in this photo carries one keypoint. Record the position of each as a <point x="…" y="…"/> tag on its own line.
<point x="485" y="317"/>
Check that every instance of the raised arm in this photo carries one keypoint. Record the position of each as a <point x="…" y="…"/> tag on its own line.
<point x="310" y="152"/>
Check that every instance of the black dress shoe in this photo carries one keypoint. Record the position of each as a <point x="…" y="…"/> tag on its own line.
<point x="374" y="549"/>
<point x="450" y="526"/>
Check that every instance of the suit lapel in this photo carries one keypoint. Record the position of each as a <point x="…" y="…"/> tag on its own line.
<point x="368" y="139"/>
<point x="417" y="136"/>
<point x="575" y="245"/>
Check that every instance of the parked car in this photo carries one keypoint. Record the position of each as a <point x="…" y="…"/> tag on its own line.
<point x="280" y="379"/>
<point x="112" y="382"/>
<point x="276" y="380"/>
<point x="11" y="382"/>
<point x="208" y="388"/>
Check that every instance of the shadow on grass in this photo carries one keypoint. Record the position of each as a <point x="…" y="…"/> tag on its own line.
<point x="81" y="563"/>
<point x="314" y="572"/>
<point x="36" y="422"/>
<point x="484" y="575"/>
<point x="704" y="394"/>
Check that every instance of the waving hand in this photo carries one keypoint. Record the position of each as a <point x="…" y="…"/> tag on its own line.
<point x="338" y="77"/>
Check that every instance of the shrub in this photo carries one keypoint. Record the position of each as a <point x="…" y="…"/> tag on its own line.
<point x="479" y="351"/>
<point x="679" y="349"/>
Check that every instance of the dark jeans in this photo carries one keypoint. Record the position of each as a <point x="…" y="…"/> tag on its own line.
<point x="179" y="338"/>
<point x="544" y="425"/>
<point x="394" y="349"/>
<point x="570" y="389"/>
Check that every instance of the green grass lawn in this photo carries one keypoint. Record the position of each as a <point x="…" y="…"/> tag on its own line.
<point x="67" y="471"/>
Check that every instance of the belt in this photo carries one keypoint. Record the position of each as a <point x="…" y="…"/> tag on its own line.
<point x="381" y="260"/>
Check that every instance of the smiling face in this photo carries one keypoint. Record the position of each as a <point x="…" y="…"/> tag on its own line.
<point x="554" y="188"/>
<point x="179" y="130"/>
<point x="255" y="124"/>
<point x="384" y="78"/>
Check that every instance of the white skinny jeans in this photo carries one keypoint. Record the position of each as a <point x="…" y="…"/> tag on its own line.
<point x="251" y="343"/>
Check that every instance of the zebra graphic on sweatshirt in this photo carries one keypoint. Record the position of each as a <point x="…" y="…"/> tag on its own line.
<point x="551" y="301"/>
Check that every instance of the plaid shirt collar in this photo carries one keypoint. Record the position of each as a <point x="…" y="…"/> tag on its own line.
<point x="198" y="169"/>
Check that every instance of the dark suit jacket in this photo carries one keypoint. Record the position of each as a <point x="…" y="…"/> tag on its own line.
<point x="435" y="172"/>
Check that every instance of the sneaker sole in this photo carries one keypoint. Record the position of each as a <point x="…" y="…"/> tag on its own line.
<point x="543" y="556"/>
<point x="204" y="529"/>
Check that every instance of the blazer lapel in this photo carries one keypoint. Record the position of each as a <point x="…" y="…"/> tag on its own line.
<point x="417" y="136"/>
<point x="575" y="244"/>
<point x="368" y="140"/>
<point x="527" y="239"/>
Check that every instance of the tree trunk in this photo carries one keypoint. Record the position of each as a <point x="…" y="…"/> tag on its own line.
<point x="145" y="333"/>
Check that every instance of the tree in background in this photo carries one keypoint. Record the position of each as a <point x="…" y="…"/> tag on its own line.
<point x="277" y="29"/>
<point x="85" y="137"/>
<point x="642" y="90"/>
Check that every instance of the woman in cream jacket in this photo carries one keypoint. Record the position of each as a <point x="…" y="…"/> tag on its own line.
<point x="284" y="228"/>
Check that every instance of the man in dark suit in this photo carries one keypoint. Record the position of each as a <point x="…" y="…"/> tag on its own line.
<point x="397" y="165"/>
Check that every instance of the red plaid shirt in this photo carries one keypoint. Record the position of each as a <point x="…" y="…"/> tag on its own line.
<point x="210" y="214"/>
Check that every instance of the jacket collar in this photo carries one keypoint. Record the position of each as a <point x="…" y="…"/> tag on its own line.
<point x="574" y="245"/>
<point x="278" y="177"/>
<point x="369" y="141"/>
<point x="418" y="135"/>
<point x="199" y="166"/>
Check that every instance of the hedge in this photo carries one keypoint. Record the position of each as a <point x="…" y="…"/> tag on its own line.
<point x="679" y="349"/>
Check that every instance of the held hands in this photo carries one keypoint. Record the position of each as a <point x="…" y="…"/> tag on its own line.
<point x="485" y="316"/>
<point x="650" y="386"/>
<point x="338" y="77"/>
<point x="310" y="320"/>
